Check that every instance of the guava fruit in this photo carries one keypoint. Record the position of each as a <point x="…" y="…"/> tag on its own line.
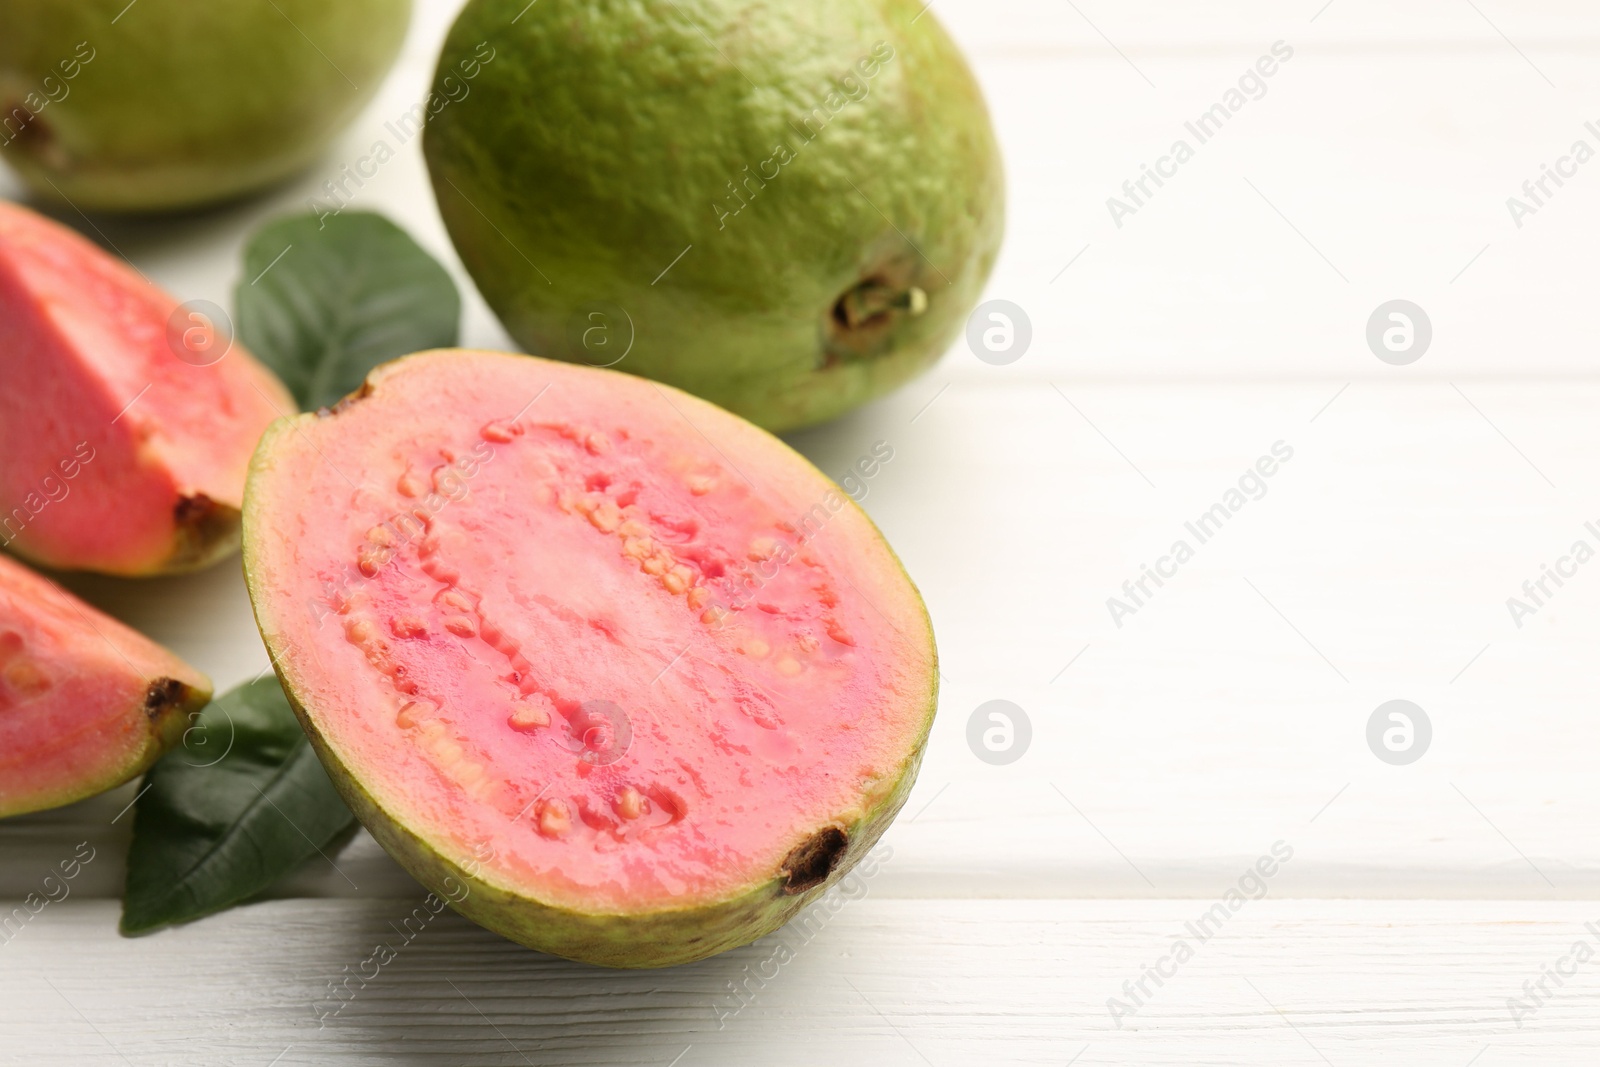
<point x="163" y="104"/>
<point x="126" y="420"/>
<point x="787" y="209"/>
<point x="85" y="702"/>
<point x="616" y="673"/>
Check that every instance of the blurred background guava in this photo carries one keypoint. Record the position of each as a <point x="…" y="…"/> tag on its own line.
<point x="160" y="105"/>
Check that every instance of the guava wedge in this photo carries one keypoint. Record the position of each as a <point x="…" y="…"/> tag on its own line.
<point x="785" y="208"/>
<point x="618" y="674"/>
<point x="85" y="702"/>
<point x="158" y="105"/>
<point x="126" y="421"/>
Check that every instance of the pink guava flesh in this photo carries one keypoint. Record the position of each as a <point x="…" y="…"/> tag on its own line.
<point x="601" y="646"/>
<point x="85" y="702"/>
<point x="126" y="422"/>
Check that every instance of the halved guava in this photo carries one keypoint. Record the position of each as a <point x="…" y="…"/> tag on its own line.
<point x="615" y="672"/>
<point x="126" y="420"/>
<point x="85" y="702"/>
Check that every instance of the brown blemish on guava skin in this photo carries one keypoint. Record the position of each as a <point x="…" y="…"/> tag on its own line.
<point x="201" y="524"/>
<point x="810" y="862"/>
<point x="862" y="323"/>
<point x="33" y="135"/>
<point x="162" y="696"/>
<point x="345" y="403"/>
<point x="871" y="303"/>
<point x="193" y="510"/>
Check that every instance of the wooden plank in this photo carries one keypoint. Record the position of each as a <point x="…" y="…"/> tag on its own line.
<point x="893" y="982"/>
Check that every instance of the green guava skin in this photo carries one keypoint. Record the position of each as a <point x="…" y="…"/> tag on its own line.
<point x="179" y="103"/>
<point x="633" y="940"/>
<point x="600" y="142"/>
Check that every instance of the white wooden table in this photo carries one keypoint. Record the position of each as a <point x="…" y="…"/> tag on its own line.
<point x="1229" y="713"/>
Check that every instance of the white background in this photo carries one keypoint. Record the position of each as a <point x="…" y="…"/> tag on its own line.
<point x="1167" y="754"/>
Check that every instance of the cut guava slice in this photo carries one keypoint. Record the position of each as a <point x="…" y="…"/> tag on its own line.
<point x="85" y="702"/>
<point x="617" y="673"/>
<point x="126" y="420"/>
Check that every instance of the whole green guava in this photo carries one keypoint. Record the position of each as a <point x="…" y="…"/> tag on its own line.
<point x="164" y="104"/>
<point x="787" y="209"/>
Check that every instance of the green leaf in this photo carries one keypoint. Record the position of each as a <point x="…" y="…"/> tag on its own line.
<point x="325" y="298"/>
<point x="241" y="803"/>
